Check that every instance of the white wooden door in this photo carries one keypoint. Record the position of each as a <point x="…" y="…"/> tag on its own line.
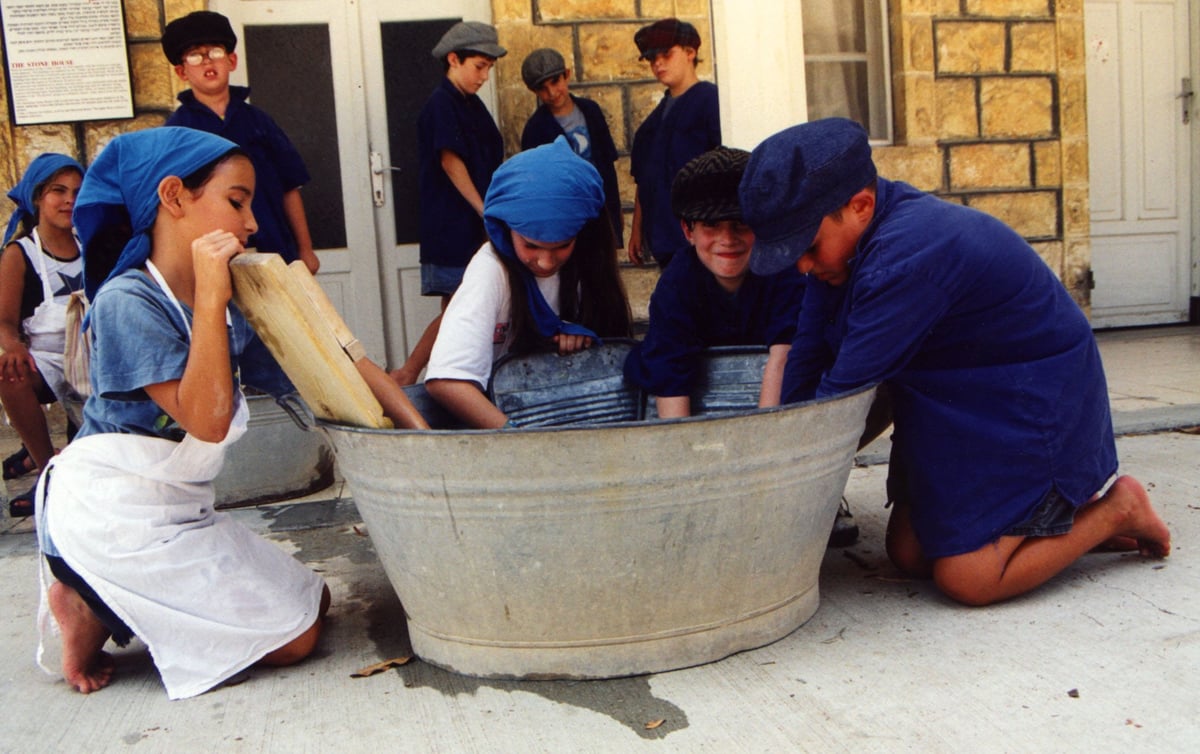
<point x="331" y="74"/>
<point x="400" y="74"/>
<point x="1139" y="142"/>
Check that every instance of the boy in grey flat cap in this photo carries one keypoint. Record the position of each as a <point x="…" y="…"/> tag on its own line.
<point x="1003" y="450"/>
<point x="458" y="149"/>
<point x="581" y="120"/>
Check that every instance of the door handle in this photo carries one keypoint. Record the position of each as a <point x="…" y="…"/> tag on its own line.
<point x="378" y="170"/>
<point x="1186" y="95"/>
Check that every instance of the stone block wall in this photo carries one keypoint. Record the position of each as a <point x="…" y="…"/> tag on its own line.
<point x="990" y="112"/>
<point x="988" y="97"/>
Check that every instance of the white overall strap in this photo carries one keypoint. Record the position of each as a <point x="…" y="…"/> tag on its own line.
<point x="47" y="291"/>
<point x="162" y="283"/>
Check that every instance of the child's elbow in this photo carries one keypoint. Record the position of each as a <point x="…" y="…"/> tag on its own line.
<point x="210" y="434"/>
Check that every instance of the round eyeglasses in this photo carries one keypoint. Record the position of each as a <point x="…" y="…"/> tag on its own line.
<point x="198" y="57"/>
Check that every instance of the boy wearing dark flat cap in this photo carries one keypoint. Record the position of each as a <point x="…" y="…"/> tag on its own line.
<point x="581" y="120"/>
<point x="1003" y="442"/>
<point x="708" y="296"/>
<point x="458" y="149"/>
<point x="201" y="46"/>
<point x="686" y="123"/>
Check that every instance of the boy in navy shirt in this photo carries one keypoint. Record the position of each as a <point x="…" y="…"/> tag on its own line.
<point x="458" y="149"/>
<point x="201" y="47"/>
<point x="708" y="296"/>
<point x="686" y="123"/>
<point x="581" y="120"/>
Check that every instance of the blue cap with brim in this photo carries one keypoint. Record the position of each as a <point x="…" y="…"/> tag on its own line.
<point x="794" y="179"/>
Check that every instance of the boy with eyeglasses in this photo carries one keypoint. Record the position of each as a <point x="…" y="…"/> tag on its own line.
<point x="201" y="47"/>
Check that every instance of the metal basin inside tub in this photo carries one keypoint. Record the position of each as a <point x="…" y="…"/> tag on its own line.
<point x="609" y="550"/>
<point x="275" y="460"/>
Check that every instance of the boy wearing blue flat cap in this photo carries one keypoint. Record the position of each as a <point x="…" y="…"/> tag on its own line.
<point x="1003" y="440"/>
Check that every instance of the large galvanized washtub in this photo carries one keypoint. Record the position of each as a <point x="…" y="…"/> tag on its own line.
<point x="610" y="550"/>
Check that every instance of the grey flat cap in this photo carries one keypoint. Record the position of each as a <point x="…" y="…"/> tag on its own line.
<point x="475" y="36"/>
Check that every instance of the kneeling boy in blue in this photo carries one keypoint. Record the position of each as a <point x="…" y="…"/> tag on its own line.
<point x="201" y="47"/>
<point x="579" y="119"/>
<point x="1003" y="440"/>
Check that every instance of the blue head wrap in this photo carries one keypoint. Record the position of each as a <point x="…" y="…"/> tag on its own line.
<point x="545" y="194"/>
<point x="124" y="181"/>
<point x="39" y="171"/>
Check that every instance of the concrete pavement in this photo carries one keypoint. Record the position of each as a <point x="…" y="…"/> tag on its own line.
<point x="1103" y="658"/>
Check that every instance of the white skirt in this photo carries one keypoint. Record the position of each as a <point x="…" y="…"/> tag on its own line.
<point x="134" y="517"/>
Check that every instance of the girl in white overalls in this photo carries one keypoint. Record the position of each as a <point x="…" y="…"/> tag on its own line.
<point x="125" y="512"/>
<point x="33" y="319"/>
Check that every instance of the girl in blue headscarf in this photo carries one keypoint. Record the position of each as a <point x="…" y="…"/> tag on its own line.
<point x="39" y="270"/>
<point x="547" y="280"/>
<point x="125" y="512"/>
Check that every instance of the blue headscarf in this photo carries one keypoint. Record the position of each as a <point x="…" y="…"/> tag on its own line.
<point x="545" y="194"/>
<point x="43" y="167"/>
<point x="124" y="181"/>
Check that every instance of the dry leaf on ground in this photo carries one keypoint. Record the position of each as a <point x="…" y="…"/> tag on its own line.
<point x="379" y="667"/>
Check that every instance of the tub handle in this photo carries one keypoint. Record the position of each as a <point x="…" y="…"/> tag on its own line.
<point x="296" y="408"/>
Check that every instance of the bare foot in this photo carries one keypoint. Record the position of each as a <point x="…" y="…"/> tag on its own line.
<point x="85" y="666"/>
<point x="1117" y="544"/>
<point x="1141" y="523"/>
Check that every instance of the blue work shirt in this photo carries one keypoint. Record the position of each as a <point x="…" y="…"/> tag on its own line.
<point x="675" y="132"/>
<point x="543" y="128"/>
<point x="138" y="338"/>
<point x="450" y="229"/>
<point x="690" y="311"/>
<point x="278" y="167"/>
<point x="998" y="391"/>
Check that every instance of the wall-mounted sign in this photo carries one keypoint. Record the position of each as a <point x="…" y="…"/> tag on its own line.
<point x="66" y="61"/>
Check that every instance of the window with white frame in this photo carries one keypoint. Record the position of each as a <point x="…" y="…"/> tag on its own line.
<point x="846" y="62"/>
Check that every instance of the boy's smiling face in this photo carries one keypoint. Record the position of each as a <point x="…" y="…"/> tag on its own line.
<point x="553" y="93"/>
<point x="210" y="77"/>
<point x="723" y="247"/>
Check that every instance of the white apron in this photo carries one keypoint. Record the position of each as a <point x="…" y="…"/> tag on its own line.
<point x="46" y="328"/>
<point x="133" y="516"/>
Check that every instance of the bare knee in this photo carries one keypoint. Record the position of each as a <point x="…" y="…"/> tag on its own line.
<point x="296" y="649"/>
<point x="961" y="584"/>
